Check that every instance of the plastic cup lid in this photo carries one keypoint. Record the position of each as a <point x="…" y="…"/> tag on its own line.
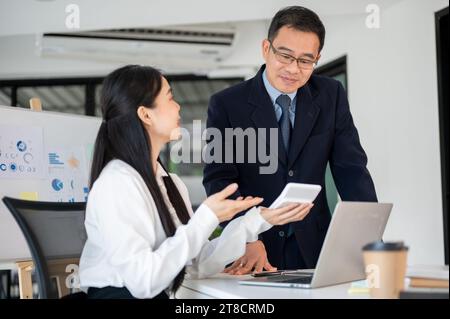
<point x="385" y="246"/>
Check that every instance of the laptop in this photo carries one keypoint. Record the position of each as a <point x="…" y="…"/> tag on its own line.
<point x="353" y="225"/>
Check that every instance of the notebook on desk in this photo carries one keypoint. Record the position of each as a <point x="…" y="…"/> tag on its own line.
<point x="417" y="293"/>
<point x="428" y="276"/>
<point x="353" y="225"/>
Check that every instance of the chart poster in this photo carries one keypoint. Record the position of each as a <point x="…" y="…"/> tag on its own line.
<point x="67" y="179"/>
<point x="21" y="152"/>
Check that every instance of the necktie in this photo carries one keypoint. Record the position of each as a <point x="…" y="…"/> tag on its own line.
<point x="285" y="124"/>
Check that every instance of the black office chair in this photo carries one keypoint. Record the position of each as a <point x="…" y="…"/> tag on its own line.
<point x="5" y="284"/>
<point x="55" y="234"/>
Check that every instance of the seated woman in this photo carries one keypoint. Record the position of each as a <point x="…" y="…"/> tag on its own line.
<point x="142" y="233"/>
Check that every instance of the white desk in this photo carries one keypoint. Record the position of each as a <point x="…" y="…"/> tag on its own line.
<point x="224" y="286"/>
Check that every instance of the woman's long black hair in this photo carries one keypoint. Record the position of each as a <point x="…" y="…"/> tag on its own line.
<point x="123" y="136"/>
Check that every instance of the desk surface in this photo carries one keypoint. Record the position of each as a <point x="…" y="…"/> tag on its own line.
<point x="224" y="286"/>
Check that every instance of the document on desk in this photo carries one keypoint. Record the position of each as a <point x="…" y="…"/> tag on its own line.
<point x="428" y="271"/>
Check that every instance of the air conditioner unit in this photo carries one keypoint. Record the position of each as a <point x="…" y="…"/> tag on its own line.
<point x="175" y="47"/>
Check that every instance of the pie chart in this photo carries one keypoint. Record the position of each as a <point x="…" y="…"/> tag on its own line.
<point x="57" y="184"/>
<point x="21" y="146"/>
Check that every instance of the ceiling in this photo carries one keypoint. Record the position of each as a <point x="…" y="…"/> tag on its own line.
<point x="23" y="21"/>
<point x="38" y="16"/>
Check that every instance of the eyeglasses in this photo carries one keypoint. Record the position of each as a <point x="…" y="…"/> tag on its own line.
<point x="284" y="58"/>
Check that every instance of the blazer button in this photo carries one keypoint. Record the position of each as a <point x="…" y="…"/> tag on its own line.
<point x="291" y="173"/>
<point x="281" y="233"/>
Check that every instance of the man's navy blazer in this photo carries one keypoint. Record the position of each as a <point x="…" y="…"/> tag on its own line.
<point x="323" y="133"/>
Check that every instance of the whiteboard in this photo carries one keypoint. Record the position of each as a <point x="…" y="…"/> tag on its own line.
<point x="59" y="131"/>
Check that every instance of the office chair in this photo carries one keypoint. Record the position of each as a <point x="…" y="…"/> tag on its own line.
<point x="5" y="284"/>
<point x="56" y="235"/>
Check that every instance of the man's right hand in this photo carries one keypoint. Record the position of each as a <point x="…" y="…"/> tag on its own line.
<point x="254" y="259"/>
<point x="287" y="214"/>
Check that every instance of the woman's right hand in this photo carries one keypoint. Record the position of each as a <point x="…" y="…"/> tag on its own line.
<point x="287" y="214"/>
<point x="225" y="209"/>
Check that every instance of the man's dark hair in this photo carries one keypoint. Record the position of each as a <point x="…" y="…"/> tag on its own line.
<point x="299" y="18"/>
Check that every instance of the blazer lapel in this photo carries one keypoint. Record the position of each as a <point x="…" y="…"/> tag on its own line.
<point x="305" y="117"/>
<point x="263" y="115"/>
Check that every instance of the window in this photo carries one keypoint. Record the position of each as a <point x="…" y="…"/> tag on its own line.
<point x="193" y="96"/>
<point x="442" y="71"/>
<point x="337" y="70"/>
<point x="67" y="95"/>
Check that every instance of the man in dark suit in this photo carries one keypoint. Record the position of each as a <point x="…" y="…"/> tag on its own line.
<point x="315" y="127"/>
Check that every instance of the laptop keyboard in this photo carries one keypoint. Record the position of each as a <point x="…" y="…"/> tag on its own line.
<point x="297" y="280"/>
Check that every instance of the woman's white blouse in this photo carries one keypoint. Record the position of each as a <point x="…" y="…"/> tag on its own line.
<point x="127" y="245"/>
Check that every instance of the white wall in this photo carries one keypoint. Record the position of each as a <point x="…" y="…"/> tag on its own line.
<point x="392" y="83"/>
<point x="38" y="16"/>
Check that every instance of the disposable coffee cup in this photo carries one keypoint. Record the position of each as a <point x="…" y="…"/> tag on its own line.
<point x="385" y="264"/>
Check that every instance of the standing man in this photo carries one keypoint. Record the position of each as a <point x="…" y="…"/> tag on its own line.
<point x="315" y="127"/>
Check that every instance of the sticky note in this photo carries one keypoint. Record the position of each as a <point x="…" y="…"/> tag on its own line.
<point x="29" y="195"/>
<point x="359" y="287"/>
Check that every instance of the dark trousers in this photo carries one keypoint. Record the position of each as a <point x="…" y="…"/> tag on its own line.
<point x="116" y="293"/>
<point x="292" y="257"/>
